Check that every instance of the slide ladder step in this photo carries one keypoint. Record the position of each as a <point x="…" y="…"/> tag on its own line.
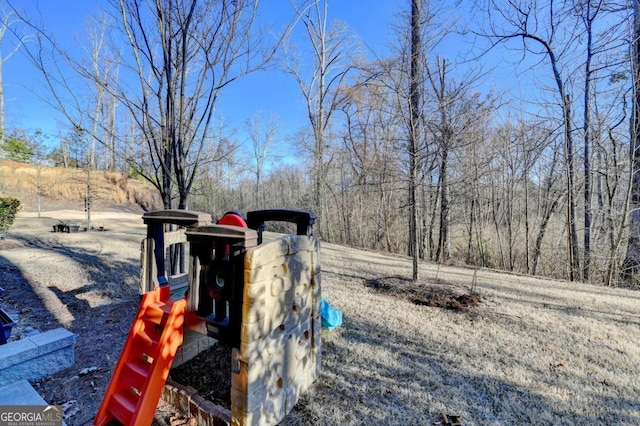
<point x="137" y="372"/>
<point x="142" y="369"/>
<point x="123" y="405"/>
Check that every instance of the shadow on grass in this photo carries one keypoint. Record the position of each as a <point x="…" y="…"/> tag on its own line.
<point x="21" y="301"/>
<point x="101" y="332"/>
<point x="542" y="300"/>
<point x="413" y="385"/>
<point x="115" y="301"/>
<point x="100" y="268"/>
<point x="20" y="292"/>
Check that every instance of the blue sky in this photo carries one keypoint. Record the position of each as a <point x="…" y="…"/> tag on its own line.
<point x="22" y="83"/>
<point x="272" y="92"/>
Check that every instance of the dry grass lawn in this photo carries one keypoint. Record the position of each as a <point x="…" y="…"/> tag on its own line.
<point x="534" y="352"/>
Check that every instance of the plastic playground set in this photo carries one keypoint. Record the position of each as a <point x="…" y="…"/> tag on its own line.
<point x="222" y="280"/>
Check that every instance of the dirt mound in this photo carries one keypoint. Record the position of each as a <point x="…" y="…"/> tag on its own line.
<point x="434" y="293"/>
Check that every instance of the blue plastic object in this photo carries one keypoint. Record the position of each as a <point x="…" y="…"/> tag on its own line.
<point x="7" y="325"/>
<point x="331" y="317"/>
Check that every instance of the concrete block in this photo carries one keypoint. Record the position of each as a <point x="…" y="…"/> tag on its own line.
<point x="195" y="403"/>
<point x="169" y="392"/>
<point x="53" y="340"/>
<point x="37" y="368"/>
<point x="20" y="393"/>
<point x="16" y="352"/>
<point x="210" y="414"/>
<point x="183" y="398"/>
<point x="37" y="356"/>
<point x="206" y="412"/>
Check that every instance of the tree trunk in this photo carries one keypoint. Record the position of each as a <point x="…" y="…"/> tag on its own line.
<point x="414" y="135"/>
<point x="39" y="188"/>
<point x="433" y="196"/>
<point x="542" y="229"/>
<point x="549" y="205"/>
<point x="442" y="253"/>
<point x="587" y="144"/>
<point x="526" y="221"/>
<point x="631" y="264"/>
<point x="572" y="237"/>
<point x="471" y="259"/>
<point x="88" y="202"/>
<point x="64" y="150"/>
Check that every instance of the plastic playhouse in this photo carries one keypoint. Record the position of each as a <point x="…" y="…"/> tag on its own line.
<point x="222" y="280"/>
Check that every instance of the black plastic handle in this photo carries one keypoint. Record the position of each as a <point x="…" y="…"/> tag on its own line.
<point x="304" y="220"/>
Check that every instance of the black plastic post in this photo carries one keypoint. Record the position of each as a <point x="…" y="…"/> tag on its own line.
<point x="304" y="220"/>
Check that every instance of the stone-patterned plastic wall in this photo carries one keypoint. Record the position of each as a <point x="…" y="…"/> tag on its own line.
<point x="279" y="354"/>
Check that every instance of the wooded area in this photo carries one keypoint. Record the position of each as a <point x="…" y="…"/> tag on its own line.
<point x="405" y="152"/>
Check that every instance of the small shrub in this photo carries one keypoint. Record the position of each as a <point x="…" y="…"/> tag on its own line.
<point x="9" y="208"/>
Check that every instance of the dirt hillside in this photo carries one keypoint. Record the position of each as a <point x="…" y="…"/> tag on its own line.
<point x="63" y="189"/>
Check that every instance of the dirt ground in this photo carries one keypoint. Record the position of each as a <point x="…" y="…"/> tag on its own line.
<point x="504" y="350"/>
<point x="82" y="281"/>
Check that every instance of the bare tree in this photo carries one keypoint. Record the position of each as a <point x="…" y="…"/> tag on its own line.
<point x="39" y="150"/>
<point x="589" y="12"/>
<point x="100" y="70"/>
<point x="416" y="76"/>
<point x="372" y="174"/>
<point x="7" y="21"/>
<point x="631" y="264"/>
<point x="183" y="61"/>
<point x="405" y="77"/>
<point x="550" y="31"/>
<point x="454" y="120"/>
<point x="263" y="131"/>
<point x="320" y="84"/>
<point x="550" y="196"/>
<point x="175" y="58"/>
